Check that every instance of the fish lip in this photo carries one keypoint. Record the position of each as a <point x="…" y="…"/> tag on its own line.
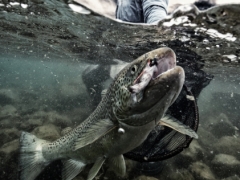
<point x="165" y="62"/>
<point x="168" y="74"/>
<point x="157" y="63"/>
<point x="170" y="81"/>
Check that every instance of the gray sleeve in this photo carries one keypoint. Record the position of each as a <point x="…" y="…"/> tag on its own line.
<point x="154" y="10"/>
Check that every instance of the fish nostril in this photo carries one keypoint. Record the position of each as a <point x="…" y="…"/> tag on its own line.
<point x="153" y="62"/>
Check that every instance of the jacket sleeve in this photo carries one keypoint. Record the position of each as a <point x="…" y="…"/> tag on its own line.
<point x="154" y="10"/>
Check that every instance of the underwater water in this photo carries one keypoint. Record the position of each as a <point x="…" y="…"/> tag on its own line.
<point x="42" y="90"/>
<point x="46" y="97"/>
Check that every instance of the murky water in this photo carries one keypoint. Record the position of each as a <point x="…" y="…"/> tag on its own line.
<point x="45" y="95"/>
<point x="45" y="81"/>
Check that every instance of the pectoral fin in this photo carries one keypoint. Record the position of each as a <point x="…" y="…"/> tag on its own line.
<point x="117" y="164"/>
<point x="96" y="167"/>
<point x="71" y="168"/>
<point x="94" y="132"/>
<point x="175" y="124"/>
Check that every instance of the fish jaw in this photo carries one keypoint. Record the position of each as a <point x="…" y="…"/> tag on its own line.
<point x="159" y="92"/>
<point x="120" y="91"/>
<point x="158" y="96"/>
<point x="168" y="83"/>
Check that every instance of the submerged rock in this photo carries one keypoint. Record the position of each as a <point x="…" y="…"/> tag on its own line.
<point x="8" y="96"/>
<point x="219" y="125"/>
<point x="30" y="124"/>
<point x="9" y="158"/>
<point x="182" y="174"/>
<point x="190" y="155"/>
<point x="39" y="118"/>
<point x="8" y="135"/>
<point x="225" y="165"/>
<point x="232" y="178"/>
<point x="202" y="171"/>
<point x="65" y="131"/>
<point x="225" y="159"/>
<point x="228" y="145"/>
<point x="201" y="149"/>
<point x="47" y="132"/>
<point x="9" y="148"/>
<point x="9" y="117"/>
<point x="173" y="170"/>
<point x="52" y="117"/>
<point x="193" y="152"/>
<point x="7" y="111"/>
<point x="10" y="122"/>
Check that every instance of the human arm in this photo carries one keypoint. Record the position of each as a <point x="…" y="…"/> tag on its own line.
<point x="154" y="10"/>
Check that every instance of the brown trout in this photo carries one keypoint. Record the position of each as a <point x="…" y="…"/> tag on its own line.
<point x="120" y="123"/>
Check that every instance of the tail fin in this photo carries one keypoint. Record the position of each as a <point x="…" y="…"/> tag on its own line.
<point x="31" y="161"/>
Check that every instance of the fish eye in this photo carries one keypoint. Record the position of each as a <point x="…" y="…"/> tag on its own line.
<point x="134" y="69"/>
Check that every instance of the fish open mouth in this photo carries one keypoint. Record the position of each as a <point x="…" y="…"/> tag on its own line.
<point x="156" y="66"/>
<point x="156" y="87"/>
<point x="163" y="63"/>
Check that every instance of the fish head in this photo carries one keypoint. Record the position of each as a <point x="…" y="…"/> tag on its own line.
<point x="155" y="97"/>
